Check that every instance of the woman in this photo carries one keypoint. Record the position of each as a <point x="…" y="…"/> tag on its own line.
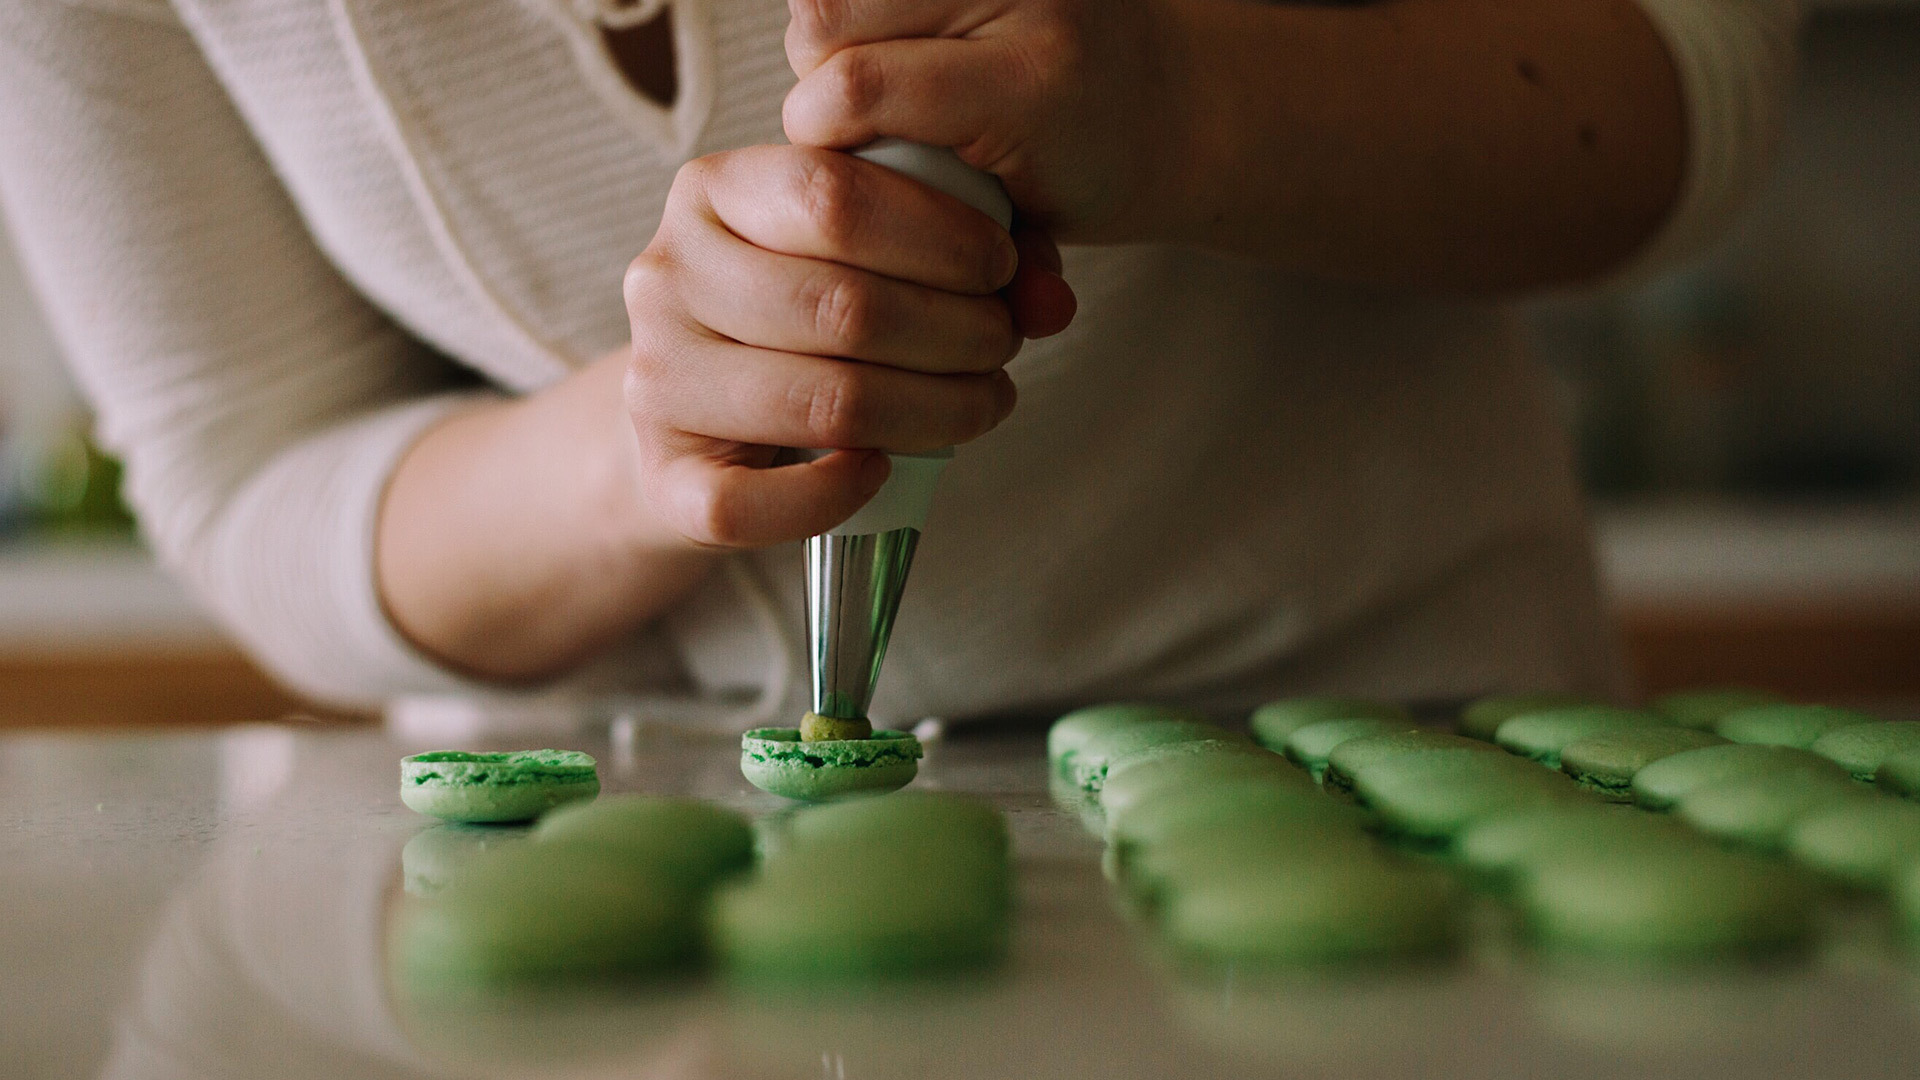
<point x="343" y="278"/>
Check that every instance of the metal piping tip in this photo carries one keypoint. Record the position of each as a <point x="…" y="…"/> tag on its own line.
<point x="853" y="593"/>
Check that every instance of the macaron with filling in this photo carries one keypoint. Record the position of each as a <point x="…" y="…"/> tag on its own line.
<point x="777" y="760"/>
<point x="1606" y="764"/>
<point x="495" y="788"/>
<point x="1540" y="736"/>
<point x="1273" y="723"/>
<point x="1786" y="725"/>
<point x="1663" y="783"/>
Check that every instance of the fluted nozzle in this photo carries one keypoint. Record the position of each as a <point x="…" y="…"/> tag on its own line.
<point x="853" y="593"/>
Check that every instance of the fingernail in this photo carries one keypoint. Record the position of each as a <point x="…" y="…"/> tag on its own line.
<point x="1006" y="262"/>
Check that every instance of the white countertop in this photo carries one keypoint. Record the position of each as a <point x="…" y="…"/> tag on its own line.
<point x="211" y="905"/>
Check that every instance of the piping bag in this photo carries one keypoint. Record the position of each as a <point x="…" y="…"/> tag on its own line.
<point x="857" y="571"/>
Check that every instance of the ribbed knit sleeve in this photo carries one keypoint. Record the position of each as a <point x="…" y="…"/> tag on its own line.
<point x="258" y="400"/>
<point x="1735" y="59"/>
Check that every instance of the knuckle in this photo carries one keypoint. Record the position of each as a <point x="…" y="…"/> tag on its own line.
<point x="843" y="312"/>
<point x="827" y="193"/>
<point x="837" y="409"/>
<point x="855" y="81"/>
<point x="640" y="285"/>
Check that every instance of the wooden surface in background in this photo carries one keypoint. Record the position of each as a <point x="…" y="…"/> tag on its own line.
<point x="144" y="689"/>
<point x="1814" y="652"/>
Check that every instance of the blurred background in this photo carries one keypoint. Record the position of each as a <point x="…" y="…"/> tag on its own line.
<point x="1749" y="425"/>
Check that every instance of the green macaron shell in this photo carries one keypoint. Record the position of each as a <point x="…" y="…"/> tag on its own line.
<point x="1904" y="890"/>
<point x="776" y="761"/>
<point x="1353" y="755"/>
<point x="479" y="788"/>
<point x="1107" y="749"/>
<point x="1273" y="723"/>
<point x="537" y="913"/>
<point x="683" y="840"/>
<point x="1663" y="783"/>
<point x="1606" y="764"/>
<point x="1786" y="725"/>
<point x="1758" y="811"/>
<point x="1153" y="871"/>
<point x="1666" y="903"/>
<point x="1861" y="842"/>
<point x="1540" y="736"/>
<point x="1178" y="816"/>
<point x="1076" y="729"/>
<point x="1430" y="799"/>
<point x="941" y="818"/>
<point x="1704" y="707"/>
<point x="1311" y="745"/>
<point x="1862" y="748"/>
<point x="1482" y="718"/>
<point x="850" y="902"/>
<point x="1503" y="847"/>
<point x="1333" y="912"/>
<point x="1192" y="764"/>
<point x="1900" y="775"/>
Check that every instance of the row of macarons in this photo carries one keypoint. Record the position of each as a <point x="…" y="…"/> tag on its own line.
<point x="1582" y="873"/>
<point x="639" y="885"/>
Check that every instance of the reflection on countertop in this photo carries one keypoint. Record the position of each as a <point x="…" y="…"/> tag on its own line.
<point x="213" y="905"/>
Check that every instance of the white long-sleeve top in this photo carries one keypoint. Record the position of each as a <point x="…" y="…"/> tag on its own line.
<point x="279" y="238"/>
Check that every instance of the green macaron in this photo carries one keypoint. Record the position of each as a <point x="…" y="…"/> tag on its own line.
<point x="1900" y="774"/>
<point x="1273" y="723"/>
<point x="1188" y="765"/>
<point x="1311" y="745"/>
<point x="1429" y="799"/>
<point x="686" y="841"/>
<point x="1540" y="736"/>
<point x="1666" y="903"/>
<point x="1106" y="749"/>
<point x="1483" y="717"/>
<point x="1860" y="842"/>
<point x="1786" y="725"/>
<point x="495" y="787"/>
<point x="1757" y="811"/>
<point x="534" y="913"/>
<point x="831" y="913"/>
<point x="777" y="761"/>
<point x="1862" y="748"/>
<point x="941" y="819"/>
<point x="1351" y="756"/>
<point x="1073" y="731"/>
<point x="1606" y="764"/>
<point x="1905" y="891"/>
<point x="1502" y="848"/>
<point x="1153" y="871"/>
<point x="1704" y="707"/>
<point x="1177" y="816"/>
<point x="1332" y="912"/>
<point x="1663" y="783"/>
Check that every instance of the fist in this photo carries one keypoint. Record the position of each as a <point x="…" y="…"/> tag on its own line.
<point x="1066" y="101"/>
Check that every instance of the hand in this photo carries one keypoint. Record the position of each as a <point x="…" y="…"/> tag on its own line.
<point x="1068" y="102"/>
<point x="797" y="297"/>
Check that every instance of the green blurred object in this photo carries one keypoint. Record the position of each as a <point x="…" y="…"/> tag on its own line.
<point x="74" y="489"/>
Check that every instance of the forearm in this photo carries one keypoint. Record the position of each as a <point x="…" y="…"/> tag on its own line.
<point x="513" y="541"/>
<point x="1467" y="145"/>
